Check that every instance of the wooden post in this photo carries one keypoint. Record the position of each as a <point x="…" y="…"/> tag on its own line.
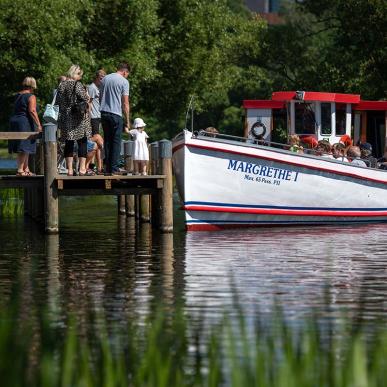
<point x="129" y="199"/>
<point x="50" y="173"/>
<point x="144" y="208"/>
<point x="166" y="193"/>
<point x="154" y="158"/>
<point x="154" y="164"/>
<point x="39" y="157"/>
<point x="121" y="198"/>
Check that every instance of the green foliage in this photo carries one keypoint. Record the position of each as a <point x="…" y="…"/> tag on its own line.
<point x="203" y="45"/>
<point x="216" y="51"/>
<point x="170" y="350"/>
<point x="330" y="46"/>
<point x="11" y="202"/>
<point x="40" y="39"/>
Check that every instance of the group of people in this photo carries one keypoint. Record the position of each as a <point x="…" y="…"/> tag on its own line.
<point x="82" y="111"/>
<point x="344" y="150"/>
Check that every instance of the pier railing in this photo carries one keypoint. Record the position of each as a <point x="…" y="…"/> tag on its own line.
<point x="148" y="198"/>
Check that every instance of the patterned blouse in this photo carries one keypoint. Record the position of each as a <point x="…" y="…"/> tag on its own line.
<point x="72" y="125"/>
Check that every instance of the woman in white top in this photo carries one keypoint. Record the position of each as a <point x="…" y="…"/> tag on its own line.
<point x="140" y="151"/>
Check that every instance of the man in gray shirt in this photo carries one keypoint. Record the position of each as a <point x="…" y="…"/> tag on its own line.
<point x="114" y="99"/>
<point x="93" y="90"/>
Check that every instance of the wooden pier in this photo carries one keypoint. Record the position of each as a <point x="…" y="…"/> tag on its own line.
<point x="148" y="198"/>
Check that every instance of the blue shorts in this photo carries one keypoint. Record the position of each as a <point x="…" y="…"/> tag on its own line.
<point x="91" y="145"/>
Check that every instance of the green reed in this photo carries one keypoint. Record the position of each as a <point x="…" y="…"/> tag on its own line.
<point x="171" y="349"/>
<point x="11" y="202"/>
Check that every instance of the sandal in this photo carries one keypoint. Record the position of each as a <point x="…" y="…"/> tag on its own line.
<point x="89" y="172"/>
<point x="29" y="173"/>
<point x="22" y="173"/>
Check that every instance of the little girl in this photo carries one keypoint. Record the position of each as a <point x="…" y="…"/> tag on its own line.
<point x="294" y="142"/>
<point x="140" y="152"/>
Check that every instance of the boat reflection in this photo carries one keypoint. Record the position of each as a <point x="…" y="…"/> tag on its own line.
<point x="306" y="270"/>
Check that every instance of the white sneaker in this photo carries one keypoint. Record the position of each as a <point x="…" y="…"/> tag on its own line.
<point x="144" y="173"/>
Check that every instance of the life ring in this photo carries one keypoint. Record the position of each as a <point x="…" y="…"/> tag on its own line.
<point x="254" y="132"/>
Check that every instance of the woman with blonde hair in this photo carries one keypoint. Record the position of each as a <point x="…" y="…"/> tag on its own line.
<point x="74" y="120"/>
<point x="24" y="119"/>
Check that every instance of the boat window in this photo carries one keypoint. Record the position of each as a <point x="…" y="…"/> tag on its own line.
<point x="326" y="122"/>
<point x="305" y="121"/>
<point x="340" y="119"/>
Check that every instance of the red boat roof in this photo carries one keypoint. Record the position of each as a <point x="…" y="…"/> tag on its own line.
<point x="279" y="99"/>
<point x="371" y="105"/>
<point x="316" y="96"/>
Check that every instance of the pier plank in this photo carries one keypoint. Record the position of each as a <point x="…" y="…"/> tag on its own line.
<point x="19" y="135"/>
<point x="112" y="192"/>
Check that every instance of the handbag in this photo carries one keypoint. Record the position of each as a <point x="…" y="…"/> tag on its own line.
<point x="51" y="112"/>
<point x="78" y="107"/>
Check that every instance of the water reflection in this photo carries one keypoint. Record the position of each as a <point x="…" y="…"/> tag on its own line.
<point x="302" y="268"/>
<point x="108" y="265"/>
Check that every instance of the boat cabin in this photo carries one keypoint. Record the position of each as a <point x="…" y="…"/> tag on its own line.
<point x="326" y="116"/>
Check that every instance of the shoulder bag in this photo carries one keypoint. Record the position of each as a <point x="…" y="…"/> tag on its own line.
<point x="51" y="111"/>
<point x="78" y="107"/>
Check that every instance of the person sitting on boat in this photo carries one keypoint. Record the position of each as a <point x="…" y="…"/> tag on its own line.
<point x="211" y="131"/>
<point x="382" y="162"/>
<point x="308" y="142"/>
<point x="294" y="142"/>
<point x="366" y="155"/>
<point x="324" y="149"/>
<point x="353" y="154"/>
<point x="346" y="140"/>
<point x="338" y="152"/>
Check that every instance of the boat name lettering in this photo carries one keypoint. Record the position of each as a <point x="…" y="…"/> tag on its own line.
<point x="262" y="170"/>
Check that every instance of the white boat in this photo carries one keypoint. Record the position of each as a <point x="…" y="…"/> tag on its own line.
<point x="225" y="181"/>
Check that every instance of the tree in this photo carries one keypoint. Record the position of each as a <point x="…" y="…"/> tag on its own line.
<point x="329" y="45"/>
<point x="358" y="51"/>
<point x="203" y="44"/>
<point x="41" y="40"/>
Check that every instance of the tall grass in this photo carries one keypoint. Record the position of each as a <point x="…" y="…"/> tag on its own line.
<point x="11" y="202"/>
<point x="171" y="350"/>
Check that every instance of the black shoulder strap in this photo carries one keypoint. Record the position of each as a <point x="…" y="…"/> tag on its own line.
<point x="73" y="94"/>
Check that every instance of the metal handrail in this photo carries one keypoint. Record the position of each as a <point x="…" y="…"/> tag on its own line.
<point x="240" y="139"/>
<point x="265" y="143"/>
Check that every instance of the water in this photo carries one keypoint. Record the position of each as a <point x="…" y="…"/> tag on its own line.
<point x="8" y="164"/>
<point x="104" y="263"/>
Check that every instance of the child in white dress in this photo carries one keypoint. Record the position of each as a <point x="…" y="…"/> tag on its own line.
<point x="140" y="151"/>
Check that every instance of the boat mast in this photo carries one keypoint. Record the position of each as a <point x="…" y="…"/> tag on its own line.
<point x="190" y="107"/>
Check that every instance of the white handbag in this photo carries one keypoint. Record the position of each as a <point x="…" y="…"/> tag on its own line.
<point x="51" y="112"/>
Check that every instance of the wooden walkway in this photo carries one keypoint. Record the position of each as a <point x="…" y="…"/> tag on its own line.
<point x="149" y="198"/>
<point x="90" y="185"/>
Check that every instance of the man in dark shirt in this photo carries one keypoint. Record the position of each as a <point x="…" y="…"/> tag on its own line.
<point x="366" y="155"/>
<point x="114" y="104"/>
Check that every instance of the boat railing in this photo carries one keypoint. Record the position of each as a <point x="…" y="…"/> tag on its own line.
<point x="256" y="143"/>
<point x="249" y="141"/>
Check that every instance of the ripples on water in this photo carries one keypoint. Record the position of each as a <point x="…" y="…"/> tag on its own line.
<point x="104" y="263"/>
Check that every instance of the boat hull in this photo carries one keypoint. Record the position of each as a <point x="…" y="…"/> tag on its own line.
<point x="226" y="184"/>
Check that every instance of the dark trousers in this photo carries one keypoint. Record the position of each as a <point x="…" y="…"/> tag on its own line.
<point x="82" y="148"/>
<point x="112" y="125"/>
